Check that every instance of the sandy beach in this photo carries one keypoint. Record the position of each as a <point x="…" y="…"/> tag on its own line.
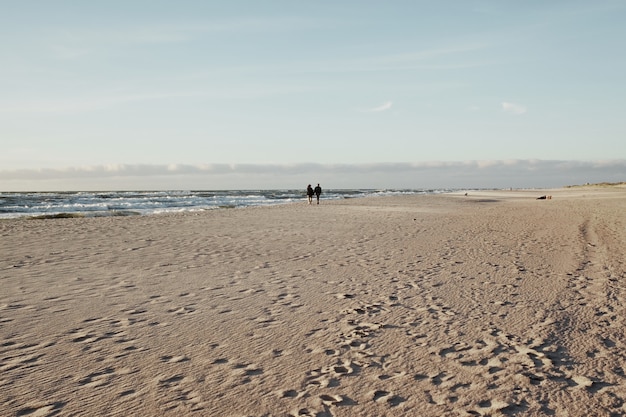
<point x="487" y="304"/>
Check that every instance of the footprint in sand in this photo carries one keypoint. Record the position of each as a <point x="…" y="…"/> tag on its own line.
<point x="174" y="359"/>
<point x="385" y="377"/>
<point x="343" y="296"/>
<point x="41" y="410"/>
<point x="177" y="391"/>
<point x="328" y="376"/>
<point x="167" y="382"/>
<point x="381" y="396"/>
<point x="182" y="310"/>
<point x="244" y="371"/>
<point x="81" y="336"/>
<point x="368" y="309"/>
<point x="290" y="393"/>
<point x="331" y="399"/>
<point x="97" y="379"/>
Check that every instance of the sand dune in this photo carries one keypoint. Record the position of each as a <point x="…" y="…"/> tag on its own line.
<point x="489" y="304"/>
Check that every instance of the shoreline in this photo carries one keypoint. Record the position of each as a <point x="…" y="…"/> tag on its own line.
<point x="569" y="191"/>
<point x="493" y="303"/>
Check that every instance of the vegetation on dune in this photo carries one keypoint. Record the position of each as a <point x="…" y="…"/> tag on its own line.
<point x="600" y="184"/>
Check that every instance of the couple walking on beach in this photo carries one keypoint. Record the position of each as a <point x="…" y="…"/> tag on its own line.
<point x="310" y="191"/>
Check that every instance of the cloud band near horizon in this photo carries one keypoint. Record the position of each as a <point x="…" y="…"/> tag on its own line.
<point x="449" y="174"/>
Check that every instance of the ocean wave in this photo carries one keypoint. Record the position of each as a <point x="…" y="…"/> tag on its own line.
<point x="46" y="205"/>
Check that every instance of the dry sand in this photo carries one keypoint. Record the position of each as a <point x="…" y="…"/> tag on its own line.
<point x="493" y="303"/>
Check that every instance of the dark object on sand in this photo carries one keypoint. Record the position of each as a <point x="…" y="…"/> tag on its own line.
<point x="545" y="197"/>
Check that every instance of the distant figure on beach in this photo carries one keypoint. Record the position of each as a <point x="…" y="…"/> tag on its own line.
<point x="318" y="191"/>
<point x="309" y="193"/>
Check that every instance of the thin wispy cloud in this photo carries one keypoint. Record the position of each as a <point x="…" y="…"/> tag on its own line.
<point x="513" y="108"/>
<point x="460" y="56"/>
<point x="101" y="100"/>
<point x="85" y="104"/>
<point x="167" y="33"/>
<point x="66" y="52"/>
<point x="383" y="107"/>
<point x="433" y="53"/>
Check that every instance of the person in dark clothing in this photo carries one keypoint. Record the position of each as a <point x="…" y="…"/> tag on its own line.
<point x="318" y="191"/>
<point x="309" y="193"/>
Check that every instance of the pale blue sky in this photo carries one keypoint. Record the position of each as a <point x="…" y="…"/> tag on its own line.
<point x="164" y="94"/>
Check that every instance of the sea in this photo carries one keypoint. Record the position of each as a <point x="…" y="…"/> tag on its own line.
<point x="129" y="203"/>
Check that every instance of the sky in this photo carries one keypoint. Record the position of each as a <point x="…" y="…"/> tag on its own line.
<point x="202" y="94"/>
